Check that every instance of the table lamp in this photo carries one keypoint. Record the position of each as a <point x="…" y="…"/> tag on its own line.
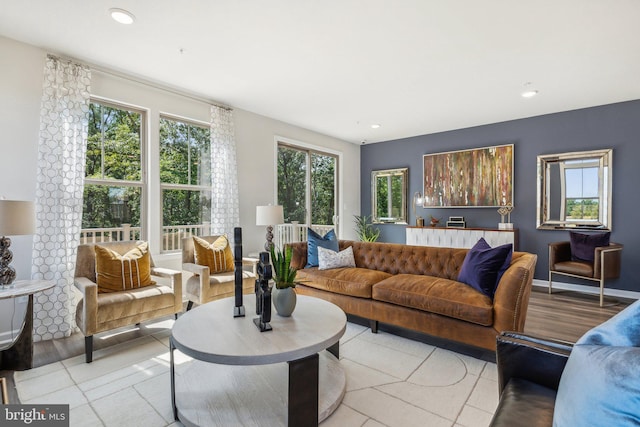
<point x="269" y="216"/>
<point x="16" y="218"/>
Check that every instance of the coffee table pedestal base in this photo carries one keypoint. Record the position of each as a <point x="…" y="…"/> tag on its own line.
<point x="209" y="394"/>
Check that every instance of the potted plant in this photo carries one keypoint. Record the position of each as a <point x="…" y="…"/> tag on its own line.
<point x="366" y="231"/>
<point x="284" y="276"/>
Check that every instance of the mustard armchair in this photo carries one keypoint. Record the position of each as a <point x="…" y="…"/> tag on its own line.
<point x="203" y="287"/>
<point x="606" y="264"/>
<point x="98" y="312"/>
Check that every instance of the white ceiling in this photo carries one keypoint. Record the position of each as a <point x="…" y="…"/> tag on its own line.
<point x="338" y="66"/>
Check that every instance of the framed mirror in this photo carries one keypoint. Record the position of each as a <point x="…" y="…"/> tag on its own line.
<point x="389" y="196"/>
<point x="574" y="190"/>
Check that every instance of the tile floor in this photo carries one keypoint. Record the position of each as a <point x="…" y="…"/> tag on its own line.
<point x="391" y="381"/>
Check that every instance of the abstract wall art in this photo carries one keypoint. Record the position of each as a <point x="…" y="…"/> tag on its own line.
<point x="481" y="177"/>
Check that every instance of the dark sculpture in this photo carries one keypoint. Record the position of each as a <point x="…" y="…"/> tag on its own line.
<point x="263" y="293"/>
<point x="238" y="310"/>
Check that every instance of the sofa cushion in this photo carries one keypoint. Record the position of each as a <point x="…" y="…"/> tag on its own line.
<point x="328" y="259"/>
<point x="329" y="241"/>
<point x="483" y="266"/>
<point x="433" y="294"/>
<point x="355" y="282"/>
<point x="116" y="273"/>
<point x="605" y="365"/>
<point x="583" y="246"/>
<point x="216" y="255"/>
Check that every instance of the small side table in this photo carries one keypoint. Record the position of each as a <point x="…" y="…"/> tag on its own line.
<point x="19" y="356"/>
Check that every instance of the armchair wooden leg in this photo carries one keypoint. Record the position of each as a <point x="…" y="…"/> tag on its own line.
<point x="88" y="348"/>
<point x="189" y="305"/>
<point x="601" y="291"/>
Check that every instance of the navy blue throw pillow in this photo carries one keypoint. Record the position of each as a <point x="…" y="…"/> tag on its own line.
<point x="483" y="266"/>
<point x="328" y="241"/>
<point x="583" y="246"/>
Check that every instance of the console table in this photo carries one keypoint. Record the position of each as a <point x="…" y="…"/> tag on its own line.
<point x="17" y="351"/>
<point x="453" y="237"/>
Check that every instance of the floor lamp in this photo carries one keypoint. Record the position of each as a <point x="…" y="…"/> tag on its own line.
<point x="16" y="218"/>
<point x="269" y="216"/>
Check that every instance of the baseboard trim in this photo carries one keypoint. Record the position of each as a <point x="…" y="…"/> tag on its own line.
<point x="595" y="290"/>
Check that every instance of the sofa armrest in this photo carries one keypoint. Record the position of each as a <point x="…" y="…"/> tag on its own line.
<point x="175" y="280"/>
<point x="89" y="314"/>
<point x="253" y="262"/>
<point x="559" y="252"/>
<point x="299" y="258"/>
<point x="534" y="359"/>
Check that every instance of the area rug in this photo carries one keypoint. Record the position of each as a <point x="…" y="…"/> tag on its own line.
<point x="391" y="381"/>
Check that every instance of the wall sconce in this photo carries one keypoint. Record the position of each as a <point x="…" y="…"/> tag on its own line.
<point x="269" y="216"/>
<point x="418" y="200"/>
<point x="16" y="218"/>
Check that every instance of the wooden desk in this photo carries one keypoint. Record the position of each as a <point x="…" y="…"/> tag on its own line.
<point x="19" y="355"/>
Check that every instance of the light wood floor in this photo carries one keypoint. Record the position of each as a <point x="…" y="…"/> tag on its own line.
<point x="562" y="315"/>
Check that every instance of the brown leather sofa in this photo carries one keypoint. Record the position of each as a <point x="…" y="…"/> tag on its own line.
<point x="415" y="287"/>
<point x="529" y="371"/>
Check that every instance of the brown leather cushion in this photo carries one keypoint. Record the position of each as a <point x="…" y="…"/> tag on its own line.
<point x="579" y="268"/>
<point x="217" y="255"/>
<point x="355" y="282"/>
<point x="116" y="273"/>
<point x="436" y="295"/>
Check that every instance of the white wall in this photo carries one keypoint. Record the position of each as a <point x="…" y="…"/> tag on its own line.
<point x="21" y="68"/>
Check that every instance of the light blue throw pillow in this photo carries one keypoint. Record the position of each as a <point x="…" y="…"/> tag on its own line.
<point x="600" y="385"/>
<point x="328" y="241"/>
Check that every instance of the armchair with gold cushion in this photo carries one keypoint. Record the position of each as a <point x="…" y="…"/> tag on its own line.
<point x="597" y="263"/>
<point x="214" y="281"/>
<point x="109" y="300"/>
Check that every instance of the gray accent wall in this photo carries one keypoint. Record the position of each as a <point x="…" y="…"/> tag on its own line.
<point x="614" y="126"/>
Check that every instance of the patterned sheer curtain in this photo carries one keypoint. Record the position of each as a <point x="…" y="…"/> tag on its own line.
<point x="64" y="115"/>
<point x="225" y="213"/>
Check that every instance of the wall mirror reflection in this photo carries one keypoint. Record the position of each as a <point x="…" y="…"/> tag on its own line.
<point x="389" y="196"/>
<point x="574" y="190"/>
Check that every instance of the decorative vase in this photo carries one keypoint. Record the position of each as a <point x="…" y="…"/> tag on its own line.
<point x="284" y="300"/>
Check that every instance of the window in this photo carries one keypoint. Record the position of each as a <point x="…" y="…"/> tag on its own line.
<point x="114" y="190"/>
<point x="185" y="180"/>
<point x="581" y="184"/>
<point x="307" y="185"/>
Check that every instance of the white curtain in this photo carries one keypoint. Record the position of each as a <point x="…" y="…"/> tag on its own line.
<point x="64" y="114"/>
<point x="225" y="213"/>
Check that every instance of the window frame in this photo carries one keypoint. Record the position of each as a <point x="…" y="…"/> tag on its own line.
<point x="143" y="183"/>
<point x="184" y="187"/>
<point x="309" y="150"/>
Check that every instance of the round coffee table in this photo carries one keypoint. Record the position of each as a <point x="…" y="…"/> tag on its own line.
<point x="243" y="376"/>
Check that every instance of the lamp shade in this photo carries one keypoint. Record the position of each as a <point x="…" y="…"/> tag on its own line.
<point x="269" y="215"/>
<point x="17" y="217"/>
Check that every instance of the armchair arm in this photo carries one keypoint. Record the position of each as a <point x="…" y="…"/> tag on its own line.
<point x="607" y="260"/>
<point x="89" y="314"/>
<point x="559" y="252"/>
<point x="534" y="359"/>
<point x="175" y="280"/>
<point x="253" y="262"/>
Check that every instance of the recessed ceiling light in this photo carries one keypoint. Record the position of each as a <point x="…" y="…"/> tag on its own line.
<point x="529" y="91"/>
<point x="122" y="16"/>
<point x="375" y="126"/>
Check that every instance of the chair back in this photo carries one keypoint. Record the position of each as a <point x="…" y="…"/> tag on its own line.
<point x="188" y="256"/>
<point x="86" y="259"/>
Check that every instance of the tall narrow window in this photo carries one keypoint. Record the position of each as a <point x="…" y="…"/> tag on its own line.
<point x="307" y="185"/>
<point x="114" y="190"/>
<point x="185" y="180"/>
